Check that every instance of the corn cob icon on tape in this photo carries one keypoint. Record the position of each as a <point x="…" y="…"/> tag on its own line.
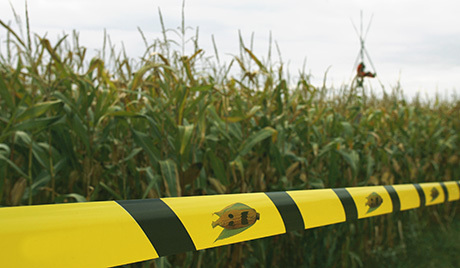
<point x="235" y="219"/>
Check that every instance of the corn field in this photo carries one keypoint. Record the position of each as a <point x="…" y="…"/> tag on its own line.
<point x="178" y="122"/>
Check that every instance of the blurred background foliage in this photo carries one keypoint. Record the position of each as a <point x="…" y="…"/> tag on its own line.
<point x="180" y="122"/>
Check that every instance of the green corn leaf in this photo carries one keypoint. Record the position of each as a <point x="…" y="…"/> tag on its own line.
<point x="131" y="155"/>
<point x="144" y="141"/>
<point x="217" y="167"/>
<point x="77" y="197"/>
<point x="235" y="131"/>
<point x="202" y="88"/>
<point x="137" y="80"/>
<point x="234" y="119"/>
<point x="347" y="129"/>
<point x="149" y="187"/>
<point x="37" y="110"/>
<point x="22" y="137"/>
<point x="238" y="163"/>
<point x="58" y="95"/>
<point x="370" y="165"/>
<point x="111" y="191"/>
<point x="356" y="259"/>
<point x="154" y="181"/>
<point x="38" y="123"/>
<point x="333" y="167"/>
<point x="238" y="118"/>
<point x="330" y="146"/>
<point x="13" y="165"/>
<point x="170" y="177"/>
<point x="316" y="183"/>
<point x="52" y="51"/>
<point x="4" y="149"/>
<point x="352" y="159"/>
<point x="256" y="138"/>
<point x="81" y="131"/>
<point x="40" y="181"/>
<point x="258" y="62"/>
<point x="6" y="96"/>
<point x="185" y="133"/>
<point x="188" y="71"/>
<point x="277" y="160"/>
<point x="120" y="113"/>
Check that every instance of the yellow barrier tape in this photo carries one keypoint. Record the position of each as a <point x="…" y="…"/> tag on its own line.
<point x="111" y="233"/>
<point x="98" y="234"/>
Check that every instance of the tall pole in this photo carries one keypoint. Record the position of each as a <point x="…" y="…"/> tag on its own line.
<point x="361" y="38"/>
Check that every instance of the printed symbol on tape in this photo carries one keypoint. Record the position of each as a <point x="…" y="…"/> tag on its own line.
<point x="434" y="194"/>
<point x="235" y="219"/>
<point x="374" y="200"/>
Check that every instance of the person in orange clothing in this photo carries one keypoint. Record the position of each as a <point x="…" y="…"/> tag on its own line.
<point x="362" y="73"/>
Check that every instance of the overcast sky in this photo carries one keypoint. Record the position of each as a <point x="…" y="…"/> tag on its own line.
<point x="415" y="42"/>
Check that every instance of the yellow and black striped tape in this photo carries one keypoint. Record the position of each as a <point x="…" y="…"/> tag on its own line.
<point x="111" y="233"/>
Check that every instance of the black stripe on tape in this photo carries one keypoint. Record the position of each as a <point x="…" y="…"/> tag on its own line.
<point x="160" y="224"/>
<point x="348" y="203"/>
<point x="421" y="194"/>
<point x="288" y="210"/>
<point x="446" y="193"/>
<point x="394" y="198"/>
<point x="458" y="184"/>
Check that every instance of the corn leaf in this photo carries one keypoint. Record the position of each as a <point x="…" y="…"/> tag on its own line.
<point x="170" y="177"/>
<point x="255" y="139"/>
